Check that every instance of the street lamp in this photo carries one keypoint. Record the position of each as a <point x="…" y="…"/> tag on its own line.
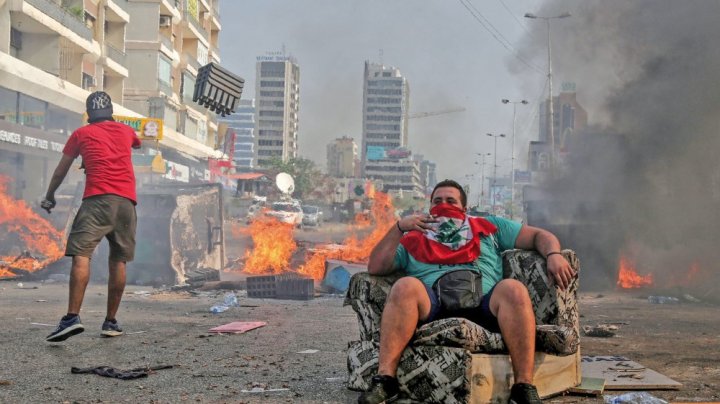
<point x="494" y="166"/>
<point x="512" y="164"/>
<point x="551" y="120"/>
<point x="481" y="197"/>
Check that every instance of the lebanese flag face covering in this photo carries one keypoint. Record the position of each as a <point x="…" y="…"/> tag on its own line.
<point x="455" y="238"/>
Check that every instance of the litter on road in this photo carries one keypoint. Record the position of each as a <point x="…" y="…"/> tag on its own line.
<point x="238" y="327"/>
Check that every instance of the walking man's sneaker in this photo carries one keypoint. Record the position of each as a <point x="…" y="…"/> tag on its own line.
<point x="68" y="327"/>
<point x="111" y="329"/>
<point x="384" y="389"/>
<point x="524" y="393"/>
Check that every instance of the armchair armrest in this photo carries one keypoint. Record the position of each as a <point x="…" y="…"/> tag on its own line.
<point x="367" y="294"/>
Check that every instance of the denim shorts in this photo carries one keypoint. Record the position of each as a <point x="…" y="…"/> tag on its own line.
<point x="481" y="315"/>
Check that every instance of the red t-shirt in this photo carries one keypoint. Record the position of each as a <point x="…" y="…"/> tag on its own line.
<point x="105" y="150"/>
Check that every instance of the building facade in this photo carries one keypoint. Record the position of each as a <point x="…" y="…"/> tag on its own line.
<point x="569" y="117"/>
<point x="54" y="53"/>
<point x="242" y="123"/>
<point x="277" y="95"/>
<point x="342" y="157"/>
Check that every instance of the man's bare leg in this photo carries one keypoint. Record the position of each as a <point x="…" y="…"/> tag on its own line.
<point x="116" y="287"/>
<point x="510" y="303"/>
<point x="407" y="304"/>
<point x="79" y="277"/>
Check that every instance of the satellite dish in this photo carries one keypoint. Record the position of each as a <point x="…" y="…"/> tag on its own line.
<point x="285" y="183"/>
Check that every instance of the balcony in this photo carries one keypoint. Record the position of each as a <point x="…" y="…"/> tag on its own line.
<point x="193" y="22"/>
<point x="67" y="19"/>
<point x="115" y="54"/>
<point x="191" y="61"/>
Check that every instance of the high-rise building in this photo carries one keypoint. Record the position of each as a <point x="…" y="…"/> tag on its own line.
<point x="277" y="95"/>
<point x="385" y="156"/>
<point x="428" y="174"/>
<point x="342" y="157"/>
<point x="570" y="117"/>
<point x="242" y="123"/>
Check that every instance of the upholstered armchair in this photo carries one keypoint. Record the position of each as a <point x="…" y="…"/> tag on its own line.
<point x="454" y="360"/>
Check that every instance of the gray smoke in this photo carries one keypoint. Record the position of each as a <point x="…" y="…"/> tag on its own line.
<point x="645" y="180"/>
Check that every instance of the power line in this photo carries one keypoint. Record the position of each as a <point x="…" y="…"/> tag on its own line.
<point x="514" y="16"/>
<point x="495" y="33"/>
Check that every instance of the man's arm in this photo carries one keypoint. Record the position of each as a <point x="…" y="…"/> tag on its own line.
<point x="382" y="256"/>
<point x="544" y="242"/>
<point x="57" y="178"/>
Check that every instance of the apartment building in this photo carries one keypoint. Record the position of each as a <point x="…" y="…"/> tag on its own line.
<point x="277" y="92"/>
<point x="342" y="158"/>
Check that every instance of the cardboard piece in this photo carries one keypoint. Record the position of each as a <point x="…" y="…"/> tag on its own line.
<point x="592" y="386"/>
<point x="621" y="373"/>
<point x="238" y="327"/>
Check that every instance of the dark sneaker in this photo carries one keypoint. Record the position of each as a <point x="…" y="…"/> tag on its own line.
<point x="111" y="329"/>
<point x="66" y="329"/>
<point x="524" y="393"/>
<point x="384" y="389"/>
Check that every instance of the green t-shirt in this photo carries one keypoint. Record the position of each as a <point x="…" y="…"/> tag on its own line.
<point x="489" y="263"/>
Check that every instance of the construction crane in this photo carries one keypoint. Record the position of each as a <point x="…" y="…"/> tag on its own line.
<point x="433" y="113"/>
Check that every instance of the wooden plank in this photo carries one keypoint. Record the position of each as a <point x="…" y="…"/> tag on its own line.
<point x="621" y="373"/>
<point x="491" y="376"/>
<point x="592" y="386"/>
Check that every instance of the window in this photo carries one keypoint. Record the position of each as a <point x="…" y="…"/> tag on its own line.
<point x="272" y="93"/>
<point x="88" y="81"/>
<point x="62" y="121"/>
<point x="266" y="83"/>
<point x="8" y="105"/>
<point x="32" y="111"/>
<point x="164" y="69"/>
<point x="188" y="87"/>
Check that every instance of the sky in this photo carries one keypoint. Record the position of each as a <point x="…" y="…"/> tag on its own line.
<point x="449" y="59"/>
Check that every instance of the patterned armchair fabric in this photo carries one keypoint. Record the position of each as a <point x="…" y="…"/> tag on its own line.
<point x="441" y="350"/>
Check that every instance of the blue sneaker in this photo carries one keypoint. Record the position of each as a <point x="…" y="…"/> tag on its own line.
<point x="111" y="329"/>
<point x="66" y="329"/>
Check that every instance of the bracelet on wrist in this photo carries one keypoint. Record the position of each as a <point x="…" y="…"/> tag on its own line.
<point x="399" y="228"/>
<point x="551" y="253"/>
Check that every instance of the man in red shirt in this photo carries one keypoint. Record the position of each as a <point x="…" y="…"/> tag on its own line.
<point x="107" y="210"/>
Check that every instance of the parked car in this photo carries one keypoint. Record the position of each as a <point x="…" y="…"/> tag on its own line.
<point x="312" y="215"/>
<point x="287" y="212"/>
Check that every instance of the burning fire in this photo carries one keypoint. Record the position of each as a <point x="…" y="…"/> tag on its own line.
<point x="273" y="246"/>
<point x="22" y="227"/>
<point x="355" y="250"/>
<point x="628" y="278"/>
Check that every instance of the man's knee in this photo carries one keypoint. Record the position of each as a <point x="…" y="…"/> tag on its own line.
<point x="510" y="292"/>
<point x="407" y="290"/>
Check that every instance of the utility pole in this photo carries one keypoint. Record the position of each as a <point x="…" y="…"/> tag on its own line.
<point x="494" y="181"/>
<point x="512" y="164"/>
<point x="481" y="197"/>
<point x="551" y="116"/>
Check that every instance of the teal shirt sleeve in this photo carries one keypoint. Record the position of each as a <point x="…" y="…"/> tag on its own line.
<point x="401" y="258"/>
<point x="507" y="232"/>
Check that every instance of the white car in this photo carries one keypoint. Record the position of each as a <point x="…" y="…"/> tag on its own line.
<point x="287" y="212"/>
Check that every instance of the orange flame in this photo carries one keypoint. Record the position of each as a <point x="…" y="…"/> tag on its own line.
<point x="354" y="250"/>
<point x="273" y="246"/>
<point x="361" y="220"/>
<point x="38" y="237"/>
<point x="628" y="278"/>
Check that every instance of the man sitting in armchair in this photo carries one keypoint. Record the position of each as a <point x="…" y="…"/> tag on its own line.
<point x="426" y="247"/>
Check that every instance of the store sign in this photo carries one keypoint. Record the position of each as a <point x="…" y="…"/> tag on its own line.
<point x="30" y="141"/>
<point x="146" y="128"/>
<point x="177" y="172"/>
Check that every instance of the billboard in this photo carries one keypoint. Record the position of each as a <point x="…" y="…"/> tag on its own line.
<point x="382" y="153"/>
<point x="375" y="153"/>
<point x="500" y="194"/>
<point x="523" y="177"/>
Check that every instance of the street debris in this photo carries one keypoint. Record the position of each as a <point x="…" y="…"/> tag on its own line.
<point x="238" y="327"/>
<point x="600" y="330"/>
<point x="621" y="373"/>
<point x="592" y="386"/>
<point x="634" y="398"/>
<point x="309" y="351"/>
<point x="663" y="300"/>
<point x="107" y="371"/>
<point x="230" y="300"/>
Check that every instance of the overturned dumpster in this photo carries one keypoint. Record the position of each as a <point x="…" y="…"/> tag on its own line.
<point x="179" y="239"/>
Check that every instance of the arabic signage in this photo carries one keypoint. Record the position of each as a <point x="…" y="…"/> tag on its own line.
<point x="146" y="128"/>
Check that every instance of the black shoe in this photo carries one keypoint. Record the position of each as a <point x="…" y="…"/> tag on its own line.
<point x="384" y="389"/>
<point x="523" y="393"/>
<point x="66" y="329"/>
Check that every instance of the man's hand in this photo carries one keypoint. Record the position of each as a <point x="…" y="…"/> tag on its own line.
<point x="560" y="270"/>
<point x="421" y="223"/>
<point x="48" y="203"/>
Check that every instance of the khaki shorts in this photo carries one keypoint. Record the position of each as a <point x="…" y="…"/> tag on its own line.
<point x="99" y="216"/>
